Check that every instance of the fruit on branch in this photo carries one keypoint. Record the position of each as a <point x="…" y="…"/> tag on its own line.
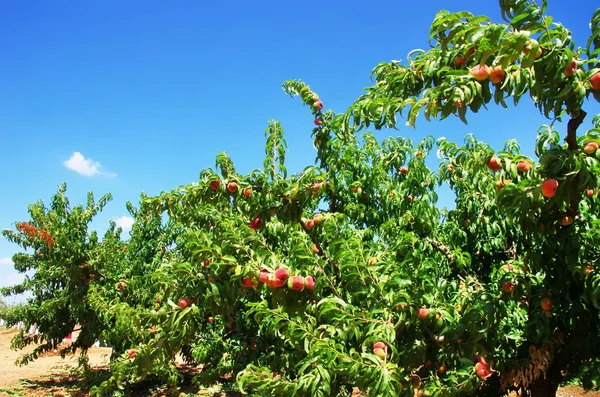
<point x="315" y="248"/>
<point x="247" y="192"/>
<point x="317" y="185"/>
<point x="318" y="218"/>
<point x="309" y="282"/>
<point x="309" y="224"/>
<point x="263" y="276"/>
<point x="503" y="182"/>
<point x="184" y="302"/>
<point x="423" y="313"/>
<point x="546" y="304"/>
<point x="567" y="220"/>
<point x="256" y="223"/>
<point x="318" y="122"/>
<point x="590" y="148"/>
<point x="282" y="274"/>
<point x="210" y="320"/>
<point x="595" y="81"/>
<point x="589" y="193"/>
<point x="508" y="287"/>
<point x="206" y="262"/>
<point x="494" y="163"/>
<point x="214" y="185"/>
<point x="482" y="369"/>
<point x="442" y="369"/>
<point x="570" y="69"/>
<point x="232" y="187"/>
<point x="480" y="72"/>
<point x="458" y="62"/>
<point x="549" y="187"/>
<point x="131" y="353"/>
<point x="380" y="350"/>
<point x="404" y="170"/>
<point x="496" y="74"/>
<point x="523" y="166"/>
<point x="319" y="105"/>
<point x="249" y="282"/>
<point x="296" y="283"/>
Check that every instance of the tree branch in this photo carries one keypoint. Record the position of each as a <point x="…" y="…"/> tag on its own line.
<point x="572" y="126"/>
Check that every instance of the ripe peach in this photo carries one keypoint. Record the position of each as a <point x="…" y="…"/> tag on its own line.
<point x="184" y="302"/>
<point x="549" y="187"/>
<point x="296" y="283"/>
<point x="232" y="187"/>
<point x="256" y="223"/>
<point x="282" y="274"/>
<point x="249" y="282"/>
<point x="595" y="81"/>
<point x="247" y="192"/>
<point x="318" y="218"/>
<point x="546" y="304"/>
<point x="483" y="370"/>
<point x="263" y="276"/>
<point x="480" y="72"/>
<point x="589" y="193"/>
<point x="214" y="185"/>
<point x="496" y="74"/>
<point x="423" y="313"/>
<point x="589" y="149"/>
<point x="508" y="287"/>
<point x="523" y="166"/>
<point x="309" y="282"/>
<point x="570" y="69"/>
<point x="404" y="170"/>
<point x="309" y="224"/>
<point x="318" y="122"/>
<point x="494" y="163"/>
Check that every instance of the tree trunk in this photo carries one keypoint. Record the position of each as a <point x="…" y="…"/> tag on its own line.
<point x="548" y="385"/>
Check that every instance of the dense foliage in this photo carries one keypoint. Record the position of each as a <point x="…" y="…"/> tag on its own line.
<point x="348" y="275"/>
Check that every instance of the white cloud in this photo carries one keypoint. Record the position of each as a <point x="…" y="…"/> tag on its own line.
<point x="5" y="262"/>
<point x="8" y="280"/>
<point x="86" y="167"/>
<point x="124" y="222"/>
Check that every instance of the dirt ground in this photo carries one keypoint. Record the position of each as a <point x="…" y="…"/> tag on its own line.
<point x="49" y="375"/>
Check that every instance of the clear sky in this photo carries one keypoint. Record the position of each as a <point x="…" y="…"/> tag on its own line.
<point x="120" y="97"/>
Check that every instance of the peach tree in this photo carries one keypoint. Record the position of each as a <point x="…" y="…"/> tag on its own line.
<point x="348" y="274"/>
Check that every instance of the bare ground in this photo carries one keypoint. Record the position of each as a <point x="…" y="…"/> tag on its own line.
<point x="51" y="375"/>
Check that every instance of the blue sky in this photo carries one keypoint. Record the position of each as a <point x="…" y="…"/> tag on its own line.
<point x="146" y="93"/>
